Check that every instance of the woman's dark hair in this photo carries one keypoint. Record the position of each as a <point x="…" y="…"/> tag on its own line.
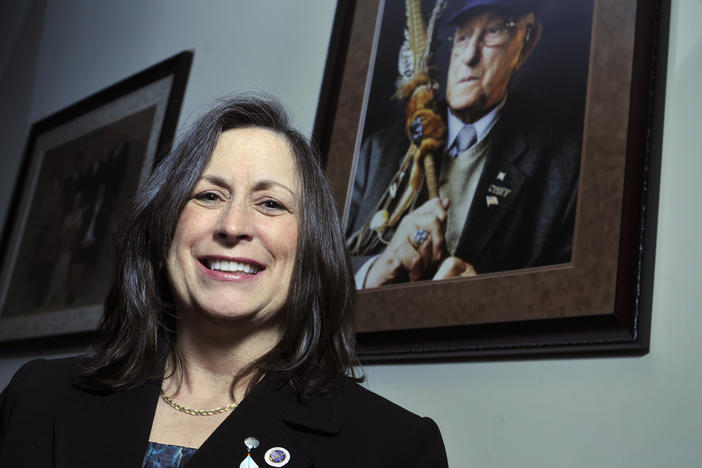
<point x="137" y="332"/>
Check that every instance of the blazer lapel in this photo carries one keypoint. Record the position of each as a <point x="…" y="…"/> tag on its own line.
<point x="111" y="430"/>
<point x="272" y="414"/>
<point x="499" y="188"/>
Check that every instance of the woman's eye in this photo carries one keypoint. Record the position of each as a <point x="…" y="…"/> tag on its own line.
<point x="272" y="205"/>
<point x="207" y="197"/>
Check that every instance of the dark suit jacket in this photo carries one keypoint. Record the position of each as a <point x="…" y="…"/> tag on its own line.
<point x="51" y="417"/>
<point x="537" y="149"/>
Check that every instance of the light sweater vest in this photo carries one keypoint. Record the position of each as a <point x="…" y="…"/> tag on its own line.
<point x="458" y="180"/>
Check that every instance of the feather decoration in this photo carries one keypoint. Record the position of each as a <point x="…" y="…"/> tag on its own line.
<point x="436" y="14"/>
<point x="412" y="50"/>
<point x="405" y="65"/>
<point x="418" y="46"/>
<point x="426" y="132"/>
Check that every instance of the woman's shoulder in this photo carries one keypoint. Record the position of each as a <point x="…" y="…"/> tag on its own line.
<point x="365" y="415"/>
<point x="37" y="371"/>
<point x="352" y="417"/>
<point x="354" y="396"/>
<point x="41" y="380"/>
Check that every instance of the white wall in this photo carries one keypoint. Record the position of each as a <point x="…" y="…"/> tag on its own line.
<point x="611" y="412"/>
<point x="86" y="45"/>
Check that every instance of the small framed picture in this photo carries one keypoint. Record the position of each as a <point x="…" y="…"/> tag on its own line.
<point x="81" y="167"/>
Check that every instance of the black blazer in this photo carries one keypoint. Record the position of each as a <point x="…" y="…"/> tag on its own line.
<point x="50" y="417"/>
<point x="532" y="169"/>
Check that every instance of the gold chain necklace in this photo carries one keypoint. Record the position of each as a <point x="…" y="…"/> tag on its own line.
<point x="196" y="412"/>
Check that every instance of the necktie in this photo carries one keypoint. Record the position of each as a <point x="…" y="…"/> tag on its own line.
<point x="465" y="138"/>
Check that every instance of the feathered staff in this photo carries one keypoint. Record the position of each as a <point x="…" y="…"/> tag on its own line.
<point x="425" y="129"/>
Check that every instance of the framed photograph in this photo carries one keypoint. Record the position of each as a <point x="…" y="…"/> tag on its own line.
<point x="81" y="167"/>
<point x="537" y="236"/>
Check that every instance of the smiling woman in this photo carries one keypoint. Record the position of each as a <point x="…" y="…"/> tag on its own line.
<point x="226" y="338"/>
<point x="233" y="250"/>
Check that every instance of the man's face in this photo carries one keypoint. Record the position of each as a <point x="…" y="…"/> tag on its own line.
<point x="487" y="49"/>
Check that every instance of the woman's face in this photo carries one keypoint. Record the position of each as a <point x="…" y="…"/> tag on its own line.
<point x="234" y="245"/>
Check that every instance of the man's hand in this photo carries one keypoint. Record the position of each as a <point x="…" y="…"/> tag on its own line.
<point x="454" y="267"/>
<point x="407" y="252"/>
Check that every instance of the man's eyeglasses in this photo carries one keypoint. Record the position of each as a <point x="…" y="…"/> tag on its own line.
<point x="495" y="34"/>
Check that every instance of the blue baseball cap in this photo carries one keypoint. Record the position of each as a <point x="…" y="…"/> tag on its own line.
<point x="514" y="7"/>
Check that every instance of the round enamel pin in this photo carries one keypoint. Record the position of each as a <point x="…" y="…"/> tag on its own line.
<point x="277" y="456"/>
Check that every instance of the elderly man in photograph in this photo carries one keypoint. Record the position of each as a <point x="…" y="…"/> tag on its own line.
<point x="508" y="177"/>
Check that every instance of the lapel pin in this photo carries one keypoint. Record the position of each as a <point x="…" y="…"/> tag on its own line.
<point x="248" y="462"/>
<point x="251" y="443"/>
<point x="277" y="456"/>
<point x="491" y="200"/>
<point x="499" y="190"/>
<point x="501" y="175"/>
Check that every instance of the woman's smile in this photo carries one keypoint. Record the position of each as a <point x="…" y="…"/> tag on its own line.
<point x="242" y="266"/>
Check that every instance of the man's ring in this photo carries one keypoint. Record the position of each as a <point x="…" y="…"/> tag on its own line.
<point x="420" y="235"/>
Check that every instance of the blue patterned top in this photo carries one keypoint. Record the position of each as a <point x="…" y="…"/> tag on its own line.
<point x="167" y="456"/>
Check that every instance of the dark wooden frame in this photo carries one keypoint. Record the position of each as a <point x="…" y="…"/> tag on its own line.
<point x="604" y="294"/>
<point x="171" y="76"/>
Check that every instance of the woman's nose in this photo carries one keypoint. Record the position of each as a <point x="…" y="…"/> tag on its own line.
<point x="235" y="222"/>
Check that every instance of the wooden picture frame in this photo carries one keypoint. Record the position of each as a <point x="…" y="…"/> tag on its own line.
<point x="600" y="302"/>
<point x="81" y="167"/>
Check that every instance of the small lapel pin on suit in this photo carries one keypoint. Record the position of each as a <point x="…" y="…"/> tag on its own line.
<point x="492" y="200"/>
<point x="251" y="443"/>
<point x="248" y="462"/>
<point x="277" y="456"/>
<point x="499" y="190"/>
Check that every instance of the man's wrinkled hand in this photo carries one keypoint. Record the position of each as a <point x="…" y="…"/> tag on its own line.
<point x="454" y="267"/>
<point x="410" y="252"/>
